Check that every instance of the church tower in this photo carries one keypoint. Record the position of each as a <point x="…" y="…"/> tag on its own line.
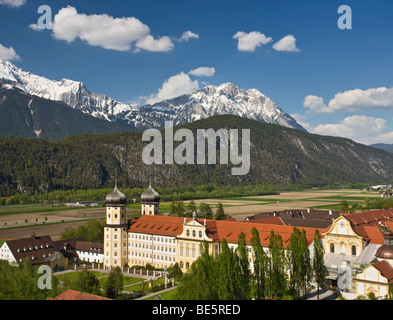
<point x="115" y="230"/>
<point x="150" y="201"/>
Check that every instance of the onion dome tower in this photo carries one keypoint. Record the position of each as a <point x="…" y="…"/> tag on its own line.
<point x="385" y="252"/>
<point x="115" y="229"/>
<point x="150" y="201"/>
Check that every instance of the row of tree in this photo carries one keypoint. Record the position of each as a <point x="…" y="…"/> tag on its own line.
<point x="277" y="273"/>
<point x="179" y="209"/>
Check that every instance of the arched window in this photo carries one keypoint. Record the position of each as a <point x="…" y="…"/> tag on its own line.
<point x="353" y="249"/>
<point x="194" y="233"/>
<point x="332" y="247"/>
<point x="181" y="264"/>
<point x="200" y="234"/>
<point x="188" y="232"/>
<point x="187" y="265"/>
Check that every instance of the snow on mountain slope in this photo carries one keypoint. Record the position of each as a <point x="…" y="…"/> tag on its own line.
<point x="203" y="103"/>
<point x="209" y="101"/>
<point x="72" y="93"/>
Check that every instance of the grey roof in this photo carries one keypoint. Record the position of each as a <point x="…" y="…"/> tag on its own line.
<point x="116" y="197"/>
<point x="333" y="260"/>
<point x="150" y="195"/>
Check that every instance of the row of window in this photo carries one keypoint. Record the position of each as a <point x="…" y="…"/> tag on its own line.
<point x="154" y="238"/>
<point x="115" y="216"/>
<point x="151" y="247"/>
<point x="142" y="263"/>
<point x="150" y="256"/>
<point x="342" y="249"/>
<point x="188" y="233"/>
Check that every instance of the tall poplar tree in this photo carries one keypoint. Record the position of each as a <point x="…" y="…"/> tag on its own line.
<point x="260" y="265"/>
<point x="318" y="262"/>
<point x="228" y="271"/>
<point x="277" y="266"/>
<point x="244" y="266"/>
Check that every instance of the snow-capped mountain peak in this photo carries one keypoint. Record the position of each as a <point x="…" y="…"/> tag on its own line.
<point x="211" y="100"/>
<point x="73" y="93"/>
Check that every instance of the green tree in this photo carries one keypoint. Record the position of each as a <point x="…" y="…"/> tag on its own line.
<point x="200" y="281"/>
<point x="205" y="211"/>
<point x="244" y="266"/>
<point x="175" y="272"/>
<point x="177" y="209"/>
<point x="191" y="208"/>
<point x="277" y="276"/>
<point x="21" y="283"/>
<point x="344" y="206"/>
<point x="260" y="265"/>
<point x="318" y="262"/>
<point x="299" y="263"/>
<point x="85" y="281"/>
<point x="220" y="213"/>
<point x="114" y="283"/>
<point x="228" y="273"/>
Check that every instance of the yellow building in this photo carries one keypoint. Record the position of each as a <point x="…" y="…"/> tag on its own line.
<point x="189" y="242"/>
<point x="115" y="230"/>
<point x="351" y="246"/>
<point x="377" y="278"/>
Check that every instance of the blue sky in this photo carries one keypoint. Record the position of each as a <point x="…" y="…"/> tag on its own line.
<point x="333" y="81"/>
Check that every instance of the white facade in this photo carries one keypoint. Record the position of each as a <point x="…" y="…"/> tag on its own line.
<point x="159" y="251"/>
<point x="6" y="254"/>
<point x="90" y="256"/>
<point x="371" y="280"/>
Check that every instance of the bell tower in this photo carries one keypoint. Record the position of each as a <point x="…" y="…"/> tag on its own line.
<point x="115" y="230"/>
<point x="150" y="201"/>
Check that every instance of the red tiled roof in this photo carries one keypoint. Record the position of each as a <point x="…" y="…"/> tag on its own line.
<point x="386" y="270"/>
<point x="373" y="234"/>
<point x="216" y="229"/>
<point x="220" y="229"/>
<point x="267" y="220"/>
<point x="369" y="217"/>
<point x="367" y="224"/>
<point x="159" y="225"/>
<point x="77" y="295"/>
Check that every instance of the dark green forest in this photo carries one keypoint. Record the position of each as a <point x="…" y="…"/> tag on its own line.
<point x="279" y="156"/>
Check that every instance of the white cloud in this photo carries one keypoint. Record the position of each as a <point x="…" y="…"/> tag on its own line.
<point x="8" y="54"/>
<point x="360" y="128"/>
<point x="35" y="27"/>
<point x="249" y="41"/>
<point x="106" y="32"/>
<point x="173" y="87"/>
<point x="288" y="43"/>
<point x="352" y="100"/>
<point x="13" y="3"/>
<point x="203" y="72"/>
<point x="187" y="35"/>
<point x="150" y="44"/>
<point x="314" y="104"/>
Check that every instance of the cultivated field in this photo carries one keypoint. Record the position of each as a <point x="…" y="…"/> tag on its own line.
<point x="17" y="224"/>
